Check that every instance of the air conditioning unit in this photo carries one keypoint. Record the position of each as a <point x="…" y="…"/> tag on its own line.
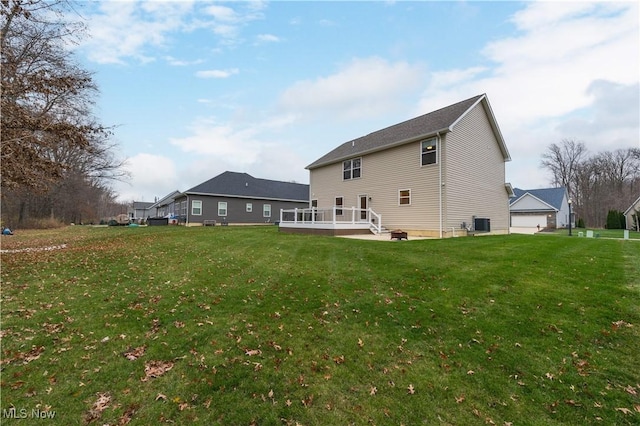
<point x="482" y="224"/>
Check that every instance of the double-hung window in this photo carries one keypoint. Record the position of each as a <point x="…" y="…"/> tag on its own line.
<point x="339" y="203"/>
<point x="266" y="210"/>
<point x="404" y="197"/>
<point x="351" y="169"/>
<point x="222" y="208"/>
<point x="249" y="207"/>
<point x="196" y="207"/>
<point x="429" y="151"/>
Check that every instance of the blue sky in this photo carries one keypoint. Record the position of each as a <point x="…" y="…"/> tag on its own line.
<point x="196" y="88"/>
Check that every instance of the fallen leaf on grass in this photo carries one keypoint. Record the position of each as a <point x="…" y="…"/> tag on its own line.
<point x="153" y="369"/>
<point x="624" y="410"/>
<point x="619" y="324"/>
<point x="133" y="354"/>
<point x="32" y="355"/>
<point x="101" y="404"/>
<point x="630" y="390"/>
<point x="411" y="389"/>
<point x="128" y="415"/>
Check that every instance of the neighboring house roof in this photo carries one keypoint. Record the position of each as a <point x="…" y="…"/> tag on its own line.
<point x="233" y="184"/>
<point x="167" y="199"/>
<point x="439" y="121"/>
<point x="633" y="206"/>
<point x="553" y="197"/>
<point x="141" y="205"/>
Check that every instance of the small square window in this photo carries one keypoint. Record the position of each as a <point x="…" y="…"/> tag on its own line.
<point x="404" y="197"/>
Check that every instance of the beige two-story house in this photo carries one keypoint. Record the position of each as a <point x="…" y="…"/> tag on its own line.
<point x="440" y="175"/>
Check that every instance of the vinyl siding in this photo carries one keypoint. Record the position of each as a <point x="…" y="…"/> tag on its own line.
<point x="473" y="177"/>
<point x="384" y="174"/>
<point x="236" y="209"/>
<point x="474" y="174"/>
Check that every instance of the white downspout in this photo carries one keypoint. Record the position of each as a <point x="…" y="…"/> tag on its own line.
<point x="439" y="147"/>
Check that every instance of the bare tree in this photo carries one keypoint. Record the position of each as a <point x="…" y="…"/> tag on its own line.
<point x="45" y="95"/>
<point x="55" y="154"/>
<point x="609" y="180"/>
<point x="563" y="161"/>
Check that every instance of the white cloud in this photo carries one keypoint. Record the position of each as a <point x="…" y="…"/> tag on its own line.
<point x="217" y="73"/>
<point x="364" y="87"/>
<point x="222" y="13"/>
<point x="268" y="38"/>
<point x="150" y="174"/>
<point x="181" y="63"/>
<point x="547" y="73"/>
<point x="122" y="30"/>
<point x="237" y="145"/>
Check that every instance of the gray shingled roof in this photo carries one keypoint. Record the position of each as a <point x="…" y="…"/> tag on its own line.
<point x="429" y="124"/>
<point x="551" y="196"/>
<point x="233" y="184"/>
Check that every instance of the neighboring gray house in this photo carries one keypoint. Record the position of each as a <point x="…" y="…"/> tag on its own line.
<point x="544" y="208"/>
<point x="239" y="198"/>
<point x="441" y="174"/>
<point x="138" y="211"/>
<point x="633" y="210"/>
<point x="166" y="207"/>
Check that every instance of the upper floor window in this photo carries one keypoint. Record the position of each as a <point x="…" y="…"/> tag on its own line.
<point x="196" y="207"/>
<point x="249" y="208"/>
<point x="429" y="151"/>
<point x="351" y="168"/>
<point x="266" y="210"/>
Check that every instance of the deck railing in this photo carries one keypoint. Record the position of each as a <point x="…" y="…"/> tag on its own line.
<point x="336" y="216"/>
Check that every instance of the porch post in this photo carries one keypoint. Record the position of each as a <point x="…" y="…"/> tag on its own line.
<point x="295" y="215"/>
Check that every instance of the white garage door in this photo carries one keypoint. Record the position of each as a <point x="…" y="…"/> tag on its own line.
<point x="529" y="221"/>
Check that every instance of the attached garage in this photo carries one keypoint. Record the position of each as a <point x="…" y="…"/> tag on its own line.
<point x="547" y="207"/>
<point x="528" y="220"/>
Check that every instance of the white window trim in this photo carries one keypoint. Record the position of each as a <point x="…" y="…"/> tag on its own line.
<point x="351" y="169"/>
<point x="193" y="207"/>
<point x="400" y="197"/>
<point x="264" y="210"/>
<point x="437" y="144"/>
<point x="220" y="204"/>
<point x="249" y="208"/>
<point x="341" y="208"/>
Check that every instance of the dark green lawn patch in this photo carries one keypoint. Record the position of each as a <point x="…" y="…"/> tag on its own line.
<point x="245" y="325"/>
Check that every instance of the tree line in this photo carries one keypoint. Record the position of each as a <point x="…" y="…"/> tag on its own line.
<point x="57" y="158"/>
<point x="597" y="184"/>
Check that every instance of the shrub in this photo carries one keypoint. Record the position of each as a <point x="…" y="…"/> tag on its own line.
<point x="615" y="220"/>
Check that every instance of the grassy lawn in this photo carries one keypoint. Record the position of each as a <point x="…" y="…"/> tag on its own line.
<point x="601" y="233"/>
<point x="245" y="325"/>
